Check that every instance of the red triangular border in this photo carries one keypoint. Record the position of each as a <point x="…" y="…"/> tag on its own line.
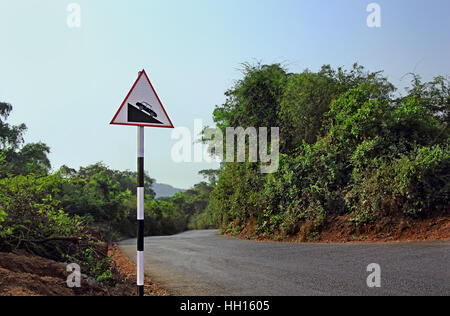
<point x="143" y="73"/>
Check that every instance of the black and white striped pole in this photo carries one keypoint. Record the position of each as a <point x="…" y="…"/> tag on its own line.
<point x="142" y="108"/>
<point x="140" y="212"/>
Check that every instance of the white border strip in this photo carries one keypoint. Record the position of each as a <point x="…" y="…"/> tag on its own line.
<point x="140" y="204"/>
<point x="140" y="268"/>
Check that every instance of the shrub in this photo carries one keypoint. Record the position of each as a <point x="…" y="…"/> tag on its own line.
<point x="417" y="184"/>
<point x="29" y="212"/>
<point x="301" y="191"/>
<point x="238" y="196"/>
<point x="349" y="147"/>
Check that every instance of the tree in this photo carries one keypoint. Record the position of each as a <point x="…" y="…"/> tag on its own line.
<point x="211" y="175"/>
<point x="255" y="100"/>
<point x="126" y="179"/>
<point x="20" y="159"/>
<point x="308" y="97"/>
<point x="349" y="147"/>
<point x="11" y="137"/>
<point x="434" y="95"/>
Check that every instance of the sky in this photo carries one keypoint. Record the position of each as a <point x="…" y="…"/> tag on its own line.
<point x="66" y="83"/>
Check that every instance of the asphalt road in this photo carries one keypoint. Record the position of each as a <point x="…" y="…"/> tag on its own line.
<point x="203" y="263"/>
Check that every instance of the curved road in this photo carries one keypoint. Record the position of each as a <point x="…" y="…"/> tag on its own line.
<point x="203" y="263"/>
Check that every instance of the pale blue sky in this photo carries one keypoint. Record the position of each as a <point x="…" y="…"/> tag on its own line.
<point x="66" y="84"/>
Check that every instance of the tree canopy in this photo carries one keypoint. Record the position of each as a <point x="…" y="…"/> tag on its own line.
<point x="350" y="146"/>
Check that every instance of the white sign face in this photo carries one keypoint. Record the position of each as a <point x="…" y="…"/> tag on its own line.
<point x="142" y="107"/>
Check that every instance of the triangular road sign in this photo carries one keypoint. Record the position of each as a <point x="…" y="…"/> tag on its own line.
<point x="142" y="106"/>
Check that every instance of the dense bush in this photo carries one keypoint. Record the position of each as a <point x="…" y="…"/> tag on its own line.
<point x="31" y="218"/>
<point x="29" y="213"/>
<point x="349" y="148"/>
<point x="237" y="197"/>
<point x="307" y="98"/>
<point x="303" y="189"/>
<point x="417" y="184"/>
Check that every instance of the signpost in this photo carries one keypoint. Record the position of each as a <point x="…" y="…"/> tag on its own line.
<point x="142" y="108"/>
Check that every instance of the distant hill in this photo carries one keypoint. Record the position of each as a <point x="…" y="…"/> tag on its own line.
<point x="165" y="190"/>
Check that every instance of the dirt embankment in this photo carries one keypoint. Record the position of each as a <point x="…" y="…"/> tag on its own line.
<point x="340" y="229"/>
<point x="128" y="272"/>
<point x="22" y="274"/>
<point x="26" y="275"/>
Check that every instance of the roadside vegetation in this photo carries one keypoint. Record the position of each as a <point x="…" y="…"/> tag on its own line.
<point x="352" y="150"/>
<point x="70" y="215"/>
<point x="352" y="147"/>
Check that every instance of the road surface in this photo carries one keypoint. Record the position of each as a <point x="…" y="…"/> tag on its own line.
<point x="203" y="263"/>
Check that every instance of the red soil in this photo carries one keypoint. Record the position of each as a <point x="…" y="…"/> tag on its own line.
<point x="339" y="229"/>
<point x="22" y="274"/>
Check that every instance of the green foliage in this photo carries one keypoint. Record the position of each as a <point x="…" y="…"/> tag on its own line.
<point x="100" y="269"/>
<point x="255" y="100"/>
<point x="30" y="159"/>
<point x="417" y="184"/>
<point x="16" y="159"/>
<point x="107" y="200"/>
<point x="96" y="192"/>
<point x="47" y="214"/>
<point x="308" y="96"/>
<point x="304" y="189"/>
<point x="11" y="137"/>
<point x="2" y="160"/>
<point x="434" y="95"/>
<point x="211" y="175"/>
<point x="29" y="212"/>
<point x="237" y="197"/>
<point x="349" y="147"/>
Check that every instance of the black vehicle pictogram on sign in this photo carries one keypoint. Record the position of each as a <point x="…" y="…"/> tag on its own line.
<point x="142" y="113"/>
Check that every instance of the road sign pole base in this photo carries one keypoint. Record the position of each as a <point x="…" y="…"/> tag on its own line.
<point x="141" y="290"/>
